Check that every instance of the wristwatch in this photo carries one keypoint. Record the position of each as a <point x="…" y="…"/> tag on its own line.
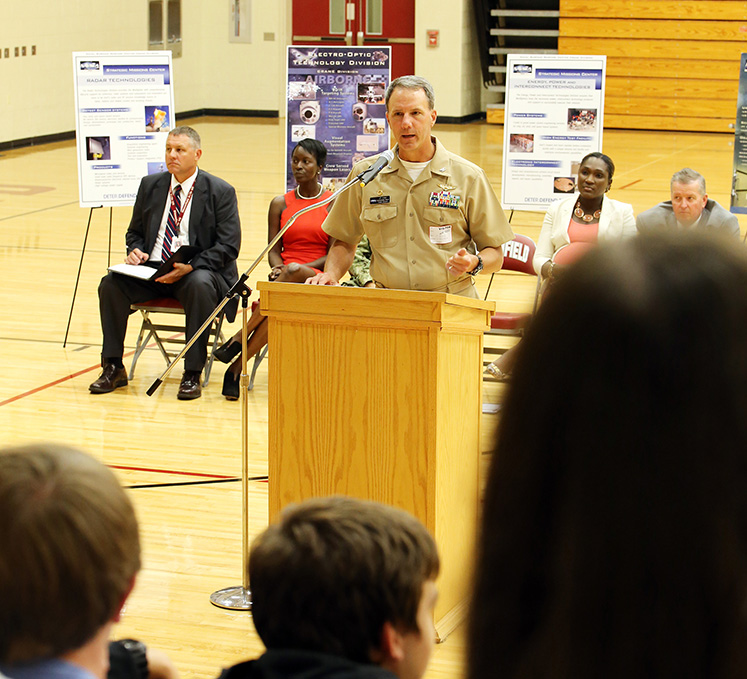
<point x="478" y="267"/>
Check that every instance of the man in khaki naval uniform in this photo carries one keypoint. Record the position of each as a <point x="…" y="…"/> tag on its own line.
<point x="432" y="217"/>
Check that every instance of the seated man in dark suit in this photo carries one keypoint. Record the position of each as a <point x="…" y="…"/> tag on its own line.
<point x="342" y="588"/>
<point x="184" y="206"/>
<point x="690" y="208"/>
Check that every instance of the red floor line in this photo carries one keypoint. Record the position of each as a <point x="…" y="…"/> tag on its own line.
<point x="627" y="185"/>
<point x="48" y="385"/>
<point x="113" y="466"/>
<point x="170" y="471"/>
<point x="31" y="392"/>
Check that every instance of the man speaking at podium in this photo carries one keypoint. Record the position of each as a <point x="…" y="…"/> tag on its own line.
<point x="184" y="206"/>
<point x="432" y="217"/>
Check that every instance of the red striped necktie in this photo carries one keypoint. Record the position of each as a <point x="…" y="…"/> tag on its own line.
<point x="172" y="223"/>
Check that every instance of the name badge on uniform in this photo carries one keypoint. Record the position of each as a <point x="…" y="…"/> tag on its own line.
<point x="444" y="199"/>
<point x="379" y="200"/>
<point x="440" y="235"/>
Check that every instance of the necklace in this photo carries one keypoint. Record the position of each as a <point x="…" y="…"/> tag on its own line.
<point x="579" y="212"/>
<point x="298" y="193"/>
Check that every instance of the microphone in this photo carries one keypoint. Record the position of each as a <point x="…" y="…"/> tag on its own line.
<point x="383" y="160"/>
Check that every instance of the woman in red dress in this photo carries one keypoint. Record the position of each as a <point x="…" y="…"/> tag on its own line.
<point x="298" y="255"/>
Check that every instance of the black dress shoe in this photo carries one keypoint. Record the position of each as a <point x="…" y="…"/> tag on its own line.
<point x="110" y="379"/>
<point x="231" y="386"/>
<point x="225" y="353"/>
<point x="190" y="386"/>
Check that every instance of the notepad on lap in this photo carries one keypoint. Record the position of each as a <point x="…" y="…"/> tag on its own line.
<point x="148" y="273"/>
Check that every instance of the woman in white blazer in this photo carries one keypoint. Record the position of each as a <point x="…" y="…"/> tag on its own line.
<point x="590" y="207"/>
<point x="586" y="218"/>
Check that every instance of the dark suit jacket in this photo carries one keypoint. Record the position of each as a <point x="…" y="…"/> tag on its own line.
<point x="213" y="221"/>
<point x="713" y="218"/>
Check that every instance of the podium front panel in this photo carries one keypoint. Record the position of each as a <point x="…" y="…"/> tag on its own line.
<point x="382" y="407"/>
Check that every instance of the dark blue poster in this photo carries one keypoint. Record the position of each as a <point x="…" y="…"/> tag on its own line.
<point x="336" y="95"/>
<point x="739" y="181"/>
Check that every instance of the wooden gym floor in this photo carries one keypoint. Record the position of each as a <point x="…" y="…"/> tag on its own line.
<point x="182" y="459"/>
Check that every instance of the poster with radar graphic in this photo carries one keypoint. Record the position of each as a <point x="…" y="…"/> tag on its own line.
<point x="124" y="108"/>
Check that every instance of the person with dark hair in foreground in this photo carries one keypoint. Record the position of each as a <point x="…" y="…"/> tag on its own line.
<point x="342" y="588"/>
<point x="70" y="552"/>
<point x="614" y="531"/>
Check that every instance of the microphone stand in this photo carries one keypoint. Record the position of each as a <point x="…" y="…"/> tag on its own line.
<point x="239" y="597"/>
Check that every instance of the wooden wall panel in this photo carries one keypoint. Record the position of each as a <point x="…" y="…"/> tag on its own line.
<point x="700" y="69"/>
<point x="671" y="65"/>
<point x="692" y="91"/>
<point x="628" y="121"/>
<point x="667" y="106"/>
<point x="637" y="29"/>
<point x="726" y="10"/>
<point x="691" y="51"/>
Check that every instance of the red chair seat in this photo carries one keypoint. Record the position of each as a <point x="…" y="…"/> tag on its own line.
<point x="504" y="320"/>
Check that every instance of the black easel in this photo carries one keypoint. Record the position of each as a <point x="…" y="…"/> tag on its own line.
<point x="80" y="265"/>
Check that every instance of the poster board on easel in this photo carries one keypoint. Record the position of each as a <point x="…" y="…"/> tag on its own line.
<point x="124" y="106"/>
<point x="554" y="116"/>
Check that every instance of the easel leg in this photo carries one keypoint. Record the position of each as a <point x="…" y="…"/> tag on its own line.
<point x="109" y="249"/>
<point x="77" y="279"/>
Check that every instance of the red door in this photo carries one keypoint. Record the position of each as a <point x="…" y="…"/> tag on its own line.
<point x="359" y="22"/>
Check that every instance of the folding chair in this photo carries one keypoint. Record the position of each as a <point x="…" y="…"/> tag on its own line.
<point x="258" y="357"/>
<point x="172" y="332"/>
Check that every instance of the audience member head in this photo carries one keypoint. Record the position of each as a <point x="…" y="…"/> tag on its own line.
<point x="614" y="536"/>
<point x="70" y="550"/>
<point x="183" y="152"/>
<point x="350" y="578"/>
<point x="412" y="82"/>
<point x="190" y="133"/>
<point x="605" y="159"/>
<point x="315" y="148"/>
<point x="595" y="172"/>
<point x="689" y="196"/>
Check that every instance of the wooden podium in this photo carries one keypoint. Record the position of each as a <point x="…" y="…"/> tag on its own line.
<point x="377" y="394"/>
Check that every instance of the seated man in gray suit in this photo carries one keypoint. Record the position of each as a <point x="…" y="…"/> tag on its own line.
<point x="690" y="208"/>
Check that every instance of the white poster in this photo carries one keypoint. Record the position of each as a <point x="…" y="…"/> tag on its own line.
<point x="553" y="118"/>
<point x="124" y="106"/>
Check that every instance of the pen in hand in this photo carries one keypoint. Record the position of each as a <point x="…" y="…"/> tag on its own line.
<point x="136" y="257"/>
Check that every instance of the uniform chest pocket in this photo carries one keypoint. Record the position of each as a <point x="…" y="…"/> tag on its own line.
<point x="381" y="225"/>
<point x="443" y="215"/>
<point x="443" y="226"/>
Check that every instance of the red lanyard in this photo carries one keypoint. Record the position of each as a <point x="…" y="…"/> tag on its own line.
<point x="180" y="214"/>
